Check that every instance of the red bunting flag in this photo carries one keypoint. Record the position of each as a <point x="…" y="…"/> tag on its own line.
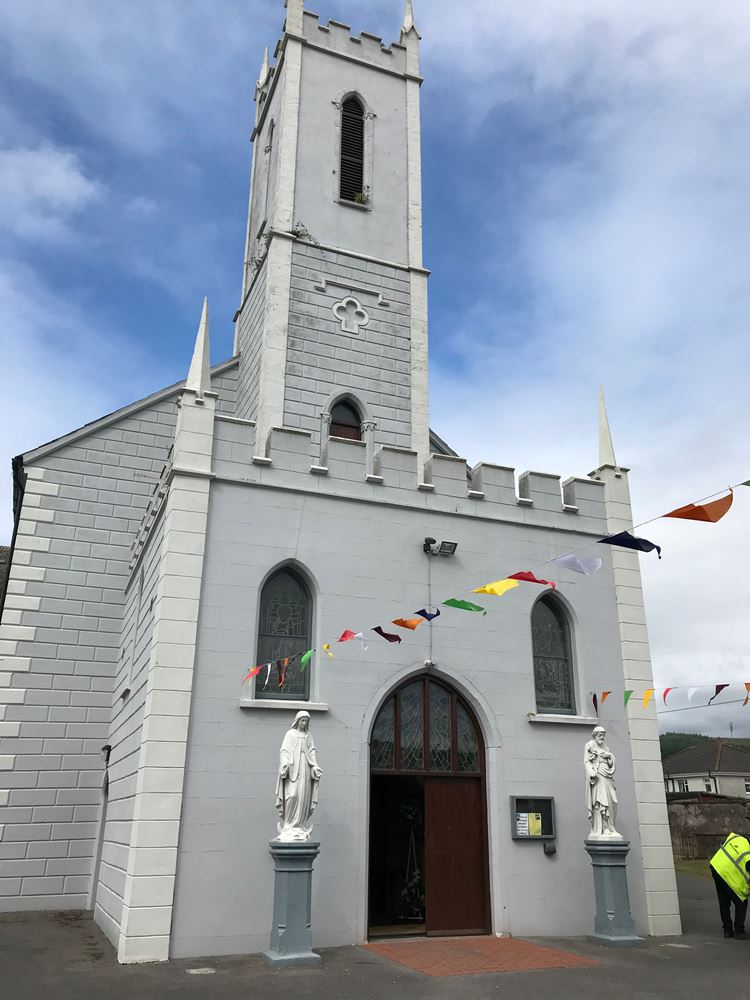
<point x="410" y="623"/>
<point x="713" y="511"/>
<point x="347" y="635"/>
<point x="666" y="692"/>
<point x="388" y="636"/>
<point x="253" y="673"/>
<point x="528" y="577"/>
<point x="719" y="689"/>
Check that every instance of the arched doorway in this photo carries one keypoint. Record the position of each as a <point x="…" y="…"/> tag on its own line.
<point x="428" y="818"/>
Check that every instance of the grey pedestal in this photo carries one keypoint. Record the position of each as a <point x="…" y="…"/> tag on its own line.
<point x="613" y="924"/>
<point x="291" y="939"/>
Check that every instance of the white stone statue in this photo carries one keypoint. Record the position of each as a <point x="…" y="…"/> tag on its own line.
<point x="297" y="785"/>
<point x="601" y="796"/>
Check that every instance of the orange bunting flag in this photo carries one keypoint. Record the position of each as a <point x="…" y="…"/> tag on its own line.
<point x="528" y="577"/>
<point x="747" y="696"/>
<point x="666" y="692"/>
<point x="713" y="511"/>
<point x="410" y="623"/>
<point x="647" y="695"/>
<point x="605" y="695"/>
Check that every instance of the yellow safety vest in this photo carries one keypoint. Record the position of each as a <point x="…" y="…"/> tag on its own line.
<point x="729" y="862"/>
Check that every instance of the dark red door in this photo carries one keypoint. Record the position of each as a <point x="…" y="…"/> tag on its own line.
<point x="455" y="857"/>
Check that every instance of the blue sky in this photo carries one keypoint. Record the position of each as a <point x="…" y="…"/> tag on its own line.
<point x="586" y="220"/>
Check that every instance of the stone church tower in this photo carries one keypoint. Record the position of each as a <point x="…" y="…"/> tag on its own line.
<point x="258" y="510"/>
<point x="336" y="161"/>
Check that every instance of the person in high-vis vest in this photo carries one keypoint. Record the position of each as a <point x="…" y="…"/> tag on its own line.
<point x="729" y="867"/>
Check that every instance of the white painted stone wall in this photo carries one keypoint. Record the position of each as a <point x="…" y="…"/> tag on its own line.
<point x="59" y="643"/>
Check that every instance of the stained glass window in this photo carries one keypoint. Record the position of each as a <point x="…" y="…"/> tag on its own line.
<point x="285" y="630"/>
<point x="440" y="728"/>
<point x="467" y="751"/>
<point x="553" y="676"/>
<point x="412" y="727"/>
<point x="383" y="736"/>
<point x="424" y="716"/>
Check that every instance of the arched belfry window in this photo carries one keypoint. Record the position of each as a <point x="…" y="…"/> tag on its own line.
<point x="352" y="167"/>
<point x="284" y="630"/>
<point x="553" y="666"/>
<point x="346" y="421"/>
<point x="426" y="727"/>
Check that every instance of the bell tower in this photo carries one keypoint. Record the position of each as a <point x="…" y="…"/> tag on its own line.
<point x="334" y="294"/>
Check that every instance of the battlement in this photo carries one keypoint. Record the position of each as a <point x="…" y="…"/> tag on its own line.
<point x="358" y="469"/>
<point x="338" y="38"/>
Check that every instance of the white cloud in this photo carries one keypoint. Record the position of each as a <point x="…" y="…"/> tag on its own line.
<point x="41" y="190"/>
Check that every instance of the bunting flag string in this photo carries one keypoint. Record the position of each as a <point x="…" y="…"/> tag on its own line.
<point x="528" y="577"/>
<point x="713" y="511"/>
<point x="585" y="566"/>
<point x="388" y="636"/>
<point x="410" y="623"/>
<point x="464" y="605"/>
<point x="719" y="689"/>
<point x="627" y="541"/>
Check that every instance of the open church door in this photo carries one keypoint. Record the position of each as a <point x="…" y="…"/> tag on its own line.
<point x="455" y="857"/>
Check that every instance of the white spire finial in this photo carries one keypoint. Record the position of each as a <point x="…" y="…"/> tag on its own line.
<point x="199" y="376"/>
<point x="408" y="17"/>
<point x="606" y="448"/>
<point x="264" y="69"/>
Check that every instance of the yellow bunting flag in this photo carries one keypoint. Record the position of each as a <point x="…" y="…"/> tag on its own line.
<point x="647" y="696"/>
<point x="498" y="588"/>
<point x="410" y="623"/>
<point x="327" y="649"/>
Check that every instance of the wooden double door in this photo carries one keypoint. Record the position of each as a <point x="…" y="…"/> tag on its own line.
<point x="428" y="825"/>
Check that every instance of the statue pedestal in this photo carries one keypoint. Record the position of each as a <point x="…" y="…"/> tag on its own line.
<point x="613" y="923"/>
<point x="291" y="938"/>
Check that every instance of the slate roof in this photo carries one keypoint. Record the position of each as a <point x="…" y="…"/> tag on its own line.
<point x="4" y="567"/>
<point x="709" y="757"/>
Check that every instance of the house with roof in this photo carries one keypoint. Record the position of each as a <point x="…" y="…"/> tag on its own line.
<point x="714" y="766"/>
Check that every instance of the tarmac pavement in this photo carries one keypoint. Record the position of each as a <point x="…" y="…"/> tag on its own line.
<point x="64" y="956"/>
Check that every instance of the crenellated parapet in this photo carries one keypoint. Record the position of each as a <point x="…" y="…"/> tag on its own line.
<point x="336" y="37"/>
<point x="291" y="459"/>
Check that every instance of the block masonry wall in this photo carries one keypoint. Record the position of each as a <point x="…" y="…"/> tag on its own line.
<point x="249" y="344"/>
<point x="125" y="737"/>
<point x="59" y="644"/>
<point x="324" y="359"/>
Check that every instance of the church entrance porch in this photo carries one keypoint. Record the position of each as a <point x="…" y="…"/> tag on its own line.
<point x="428" y="826"/>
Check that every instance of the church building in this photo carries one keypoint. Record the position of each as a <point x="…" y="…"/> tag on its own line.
<point x="262" y="508"/>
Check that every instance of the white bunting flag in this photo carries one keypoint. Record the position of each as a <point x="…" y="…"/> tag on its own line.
<point x="585" y="566"/>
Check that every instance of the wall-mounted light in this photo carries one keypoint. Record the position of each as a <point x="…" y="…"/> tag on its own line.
<point x="432" y="548"/>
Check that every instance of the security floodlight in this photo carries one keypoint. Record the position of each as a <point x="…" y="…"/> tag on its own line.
<point x="447" y="548"/>
<point x="427" y="547"/>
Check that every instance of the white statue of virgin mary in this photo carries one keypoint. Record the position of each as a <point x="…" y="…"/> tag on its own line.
<point x="297" y="784"/>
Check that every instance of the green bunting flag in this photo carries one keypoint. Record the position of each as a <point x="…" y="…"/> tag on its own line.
<point x="746" y="483"/>
<point x="306" y="657"/>
<point x="463" y="605"/>
<point x="628" y="696"/>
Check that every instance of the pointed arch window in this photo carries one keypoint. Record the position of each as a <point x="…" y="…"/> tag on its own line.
<point x="346" y="421"/>
<point x="352" y="166"/>
<point x="553" y="667"/>
<point x="426" y="727"/>
<point x="284" y="630"/>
